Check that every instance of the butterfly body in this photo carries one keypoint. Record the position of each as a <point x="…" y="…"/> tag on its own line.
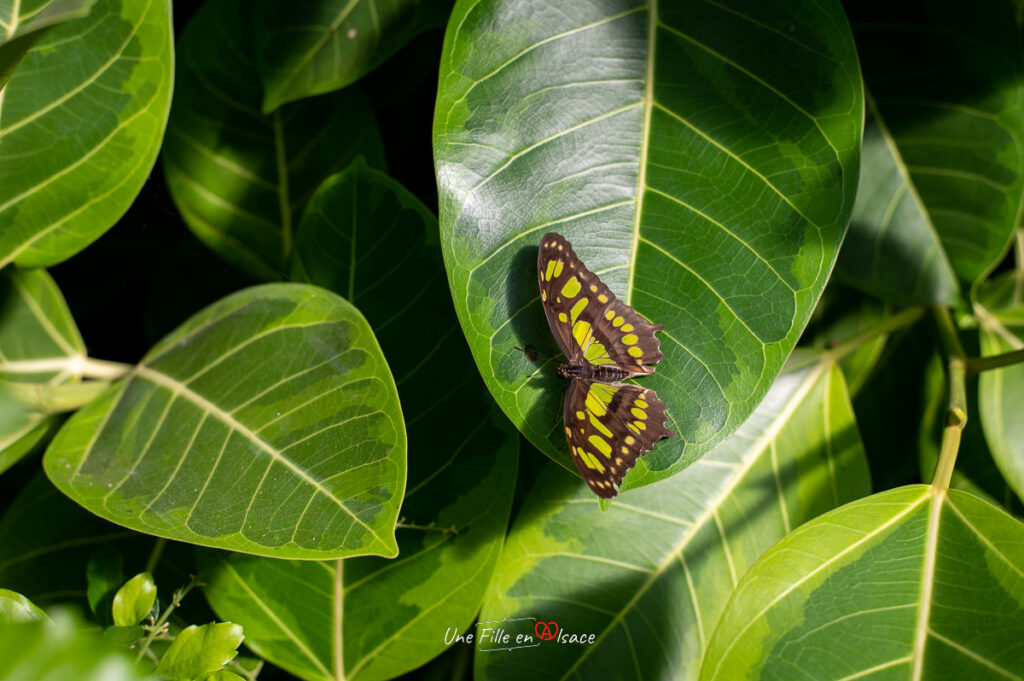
<point x="608" y="423"/>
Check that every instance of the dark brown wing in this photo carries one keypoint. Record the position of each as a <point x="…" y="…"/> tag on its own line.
<point x="609" y="426"/>
<point x="588" y="321"/>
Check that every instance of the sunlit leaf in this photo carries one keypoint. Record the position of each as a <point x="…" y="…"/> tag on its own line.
<point x="702" y="159"/>
<point x="267" y="423"/>
<point x="311" y="48"/>
<point x="82" y="120"/>
<point x="134" y="600"/>
<point x="239" y="178"/>
<point x="650" y="576"/>
<point x="367" y="618"/>
<point x="912" y="583"/>
<point x="21" y="27"/>
<point x="16" y="608"/>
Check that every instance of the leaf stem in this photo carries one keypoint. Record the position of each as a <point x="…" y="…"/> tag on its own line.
<point x="975" y="364"/>
<point x="160" y="626"/>
<point x="1018" y="286"/>
<point x="282" y="185"/>
<point x="956" y="411"/>
<point x="886" y="326"/>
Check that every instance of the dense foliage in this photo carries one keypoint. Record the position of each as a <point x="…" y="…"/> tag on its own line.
<point x="266" y="267"/>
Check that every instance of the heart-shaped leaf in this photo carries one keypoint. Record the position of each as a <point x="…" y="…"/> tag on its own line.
<point x="39" y="345"/>
<point x="946" y="161"/>
<point x="311" y="48"/>
<point x="20" y="29"/>
<point x="267" y="423"/>
<point x="366" y="618"/>
<point x="77" y="142"/>
<point x="649" y="577"/>
<point x="239" y="178"/>
<point x="701" y="159"/>
<point x="912" y="583"/>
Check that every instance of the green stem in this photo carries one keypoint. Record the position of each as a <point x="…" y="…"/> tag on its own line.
<point x="956" y="411"/>
<point x="975" y="364"/>
<point x="1018" y="285"/>
<point x="160" y="626"/>
<point x="282" y="185"/>
<point x="886" y="326"/>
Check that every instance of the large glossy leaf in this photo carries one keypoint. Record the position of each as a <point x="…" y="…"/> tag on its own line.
<point x="1000" y="316"/>
<point x="239" y="178"/>
<point x="367" y="618"/>
<point x="81" y="121"/>
<point x="912" y="583"/>
<point x="893" y="249"/>
<point x="702" y="160"/>
<point x="945" y="81"/>
<point x="650" y="576"/>
<point x="311" y="48"/>
<point x="39" y="344"/>
<point x="24" y="23"/>
<point x="267" y="423"/>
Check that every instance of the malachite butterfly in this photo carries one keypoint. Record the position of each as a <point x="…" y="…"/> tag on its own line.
<point x="609" y="424"/>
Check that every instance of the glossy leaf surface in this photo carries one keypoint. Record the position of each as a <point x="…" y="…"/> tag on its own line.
<point x="311" y="48"/>
<point x="81" y="122"/>
<point x="905" y="584"/>
<point x="945" y="84"/>
<point x="267" y="423"/>
<point x="701" y="159"/>
<point x="200" y="650"/>
<point x="650" y="576"/>
<point x="367" y="618"/>
<point x="39" y="344"/>
<point x="239" y="178"/>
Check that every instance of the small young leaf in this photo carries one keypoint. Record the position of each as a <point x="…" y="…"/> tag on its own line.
<point x="134" y="600"/>
<point x="123" y="636"/>
<point x="200" y="650"/>
<point x="16" y="608"/>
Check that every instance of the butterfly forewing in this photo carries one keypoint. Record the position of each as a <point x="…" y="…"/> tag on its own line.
<point x="589" y="323"/>
<point x="608" y="427"/>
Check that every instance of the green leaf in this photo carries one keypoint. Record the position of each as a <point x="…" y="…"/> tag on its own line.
<point x="945" y="84"/>
<point x="311" y="48"/>
<point x="914" y="582"/>
<point x="892" y="249"/>
<point x="740" y="126"/>
<point x="46" y="539"/>
<point x="650" y="576"/>
<point x="21" y="29"/>
<point x="197" y="651"/>
<point x="16" y="608"/>
<point x="369" y="618"/>
<point x="39" y="345"/>
<point x="61" y="649"/>
<point x="239" y="178"/>
<point x="1000" y="317"/>
<point x="134" y="600"/>
<point x="123" y="636"/>
<point x="223" y="675"/>
<point x="83" y="119"/>
<point x="267" y="423"/>
<point x="104" y="575"/>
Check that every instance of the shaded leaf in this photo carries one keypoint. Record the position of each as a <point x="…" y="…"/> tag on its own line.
<point x="199" y="650"/>
<point x="741" y="127"/>
<point x="316" y="47"/>
<point x="16" y="608"/>
<point x="892" y="249"/>
<point x="915" y="582"/>
<point x="1000" y="317"/>
<point x="134" y="600"/>
<point x="365" y="236"/>
<point x="945" y="81"/>
<point x="39" y="344"/>
<point x="650" y="576"/>
<point x="104" y="575"/>
<point x="83" y="119"/>
<point x="239" y="178"/>
<point x="20" y="29"/>
<point x="267" y="423"/>
<point x="43" y="533"/>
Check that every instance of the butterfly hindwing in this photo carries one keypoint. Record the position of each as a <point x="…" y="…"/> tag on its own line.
<point x="589" y="323"/>
<point x="609" y="426"/>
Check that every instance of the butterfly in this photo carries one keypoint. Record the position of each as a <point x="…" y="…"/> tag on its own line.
<point x="609" y="424"/>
